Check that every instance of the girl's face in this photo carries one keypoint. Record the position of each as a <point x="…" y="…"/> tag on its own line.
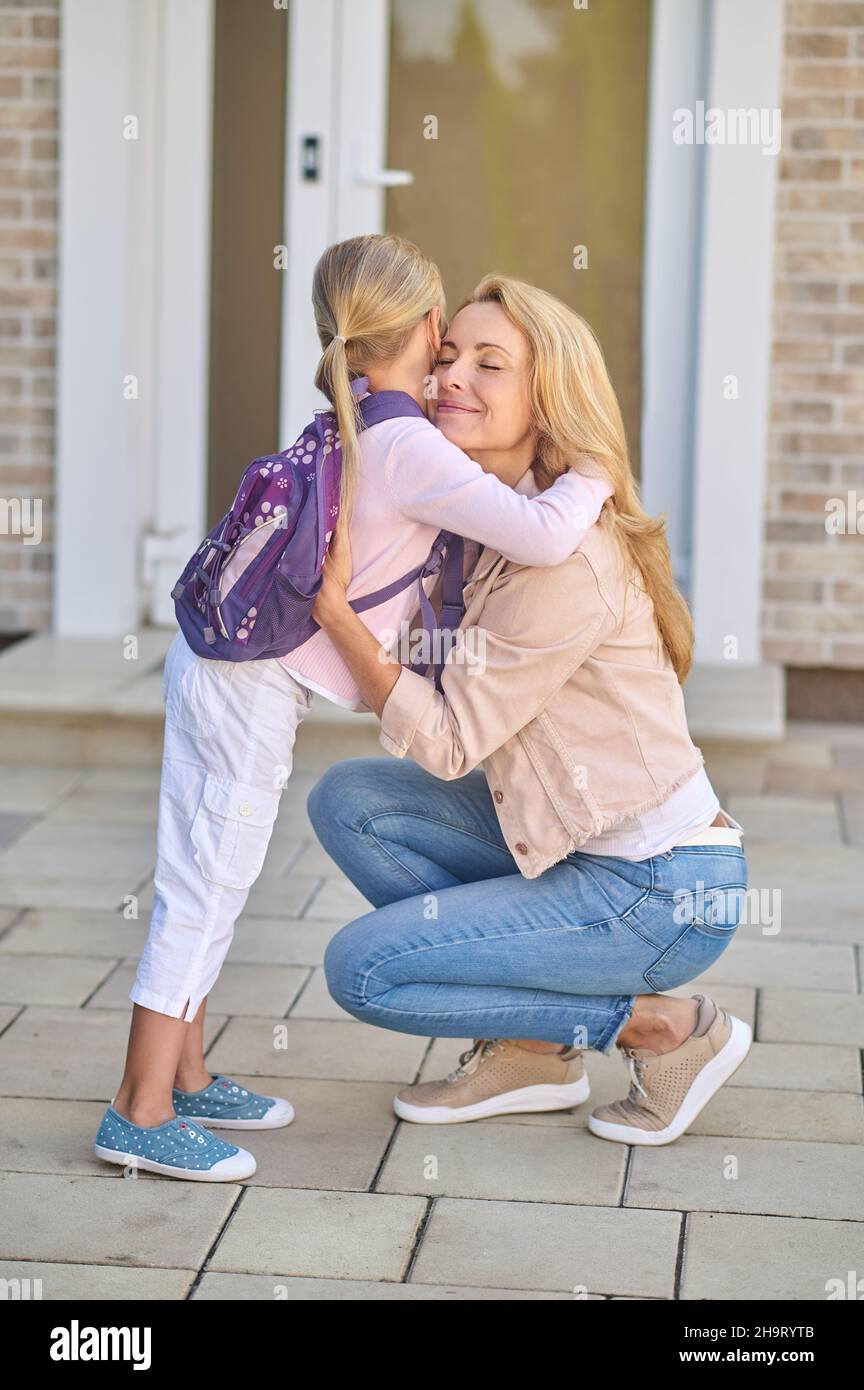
<point x="482" y="375"/>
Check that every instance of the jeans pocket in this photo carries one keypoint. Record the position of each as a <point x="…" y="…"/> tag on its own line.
<point x="709" y="920"/>
<point x="231" y="830"/>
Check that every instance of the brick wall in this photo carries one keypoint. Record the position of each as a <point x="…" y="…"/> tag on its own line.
<point x="29" y="115"/>
<point x="814" y="581"/>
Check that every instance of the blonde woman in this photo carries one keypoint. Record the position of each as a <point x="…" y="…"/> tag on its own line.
<point x="230" y="728"/>
<point x="547" y="903"/>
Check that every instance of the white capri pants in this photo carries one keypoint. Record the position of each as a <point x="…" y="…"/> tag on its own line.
<point x="229" y="746"/>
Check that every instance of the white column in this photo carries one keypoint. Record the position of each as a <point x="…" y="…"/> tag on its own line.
<point x="734" y="340"/>
<point x="134" y="258"/>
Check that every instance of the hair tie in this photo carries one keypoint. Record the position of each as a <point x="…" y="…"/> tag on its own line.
<point x="339" y="338"/>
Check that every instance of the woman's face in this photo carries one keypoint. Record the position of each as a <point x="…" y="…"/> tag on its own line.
<point x="482" y="376"/>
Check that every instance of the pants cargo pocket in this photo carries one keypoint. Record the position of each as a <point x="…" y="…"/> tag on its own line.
<point x="231" y="830"/>
<point x="196" y="691"/>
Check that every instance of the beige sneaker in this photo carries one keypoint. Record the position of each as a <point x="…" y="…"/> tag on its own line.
<point x="497" y="1077"/>
<point x="670" y="1088"/>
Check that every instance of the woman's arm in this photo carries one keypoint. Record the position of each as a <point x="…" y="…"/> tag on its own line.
<point x="434" y="481"/>
<point x="370" y="664"/>
<point x="537" y="628"/>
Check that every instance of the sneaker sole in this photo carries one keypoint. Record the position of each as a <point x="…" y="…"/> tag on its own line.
<point x="712" y="1076"/>
<point x="231" y="1169"/>
<point x="281" y="1119"/>
<point x="525" y="1100"/>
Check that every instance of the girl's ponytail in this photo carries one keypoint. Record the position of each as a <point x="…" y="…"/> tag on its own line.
<point x="368" y="293"/>
<point x="333" y="379"/>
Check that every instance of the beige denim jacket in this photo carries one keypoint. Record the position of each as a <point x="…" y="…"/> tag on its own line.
<point x="570" y="702"/>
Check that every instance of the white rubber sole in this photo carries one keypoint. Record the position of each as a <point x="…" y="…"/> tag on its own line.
<point x="712" y="1076"/>
<point x="280" y="1114"/>
<point x="238" y="1166"/>
<point x="523" y="1101"/>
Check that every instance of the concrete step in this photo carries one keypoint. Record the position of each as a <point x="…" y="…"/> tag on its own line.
<point x="70" y="701"/>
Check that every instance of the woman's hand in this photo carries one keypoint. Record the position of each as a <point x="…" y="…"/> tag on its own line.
<point x="336" y="576"/>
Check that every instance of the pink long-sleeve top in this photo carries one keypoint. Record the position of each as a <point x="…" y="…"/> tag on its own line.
<point x="414" y="483"/>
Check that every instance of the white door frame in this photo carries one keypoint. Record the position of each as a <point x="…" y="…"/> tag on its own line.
<point x="134" y="306"/>
<point x="707" y="288"/>
<point x="338" y="80"/>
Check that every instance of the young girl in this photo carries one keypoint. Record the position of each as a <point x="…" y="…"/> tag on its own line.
<point x="230" y="727"/>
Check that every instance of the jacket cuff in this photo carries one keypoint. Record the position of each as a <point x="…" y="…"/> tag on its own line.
<point x="406" y="705"/>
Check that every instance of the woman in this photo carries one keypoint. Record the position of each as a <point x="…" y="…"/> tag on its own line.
<point x="554" y="898"/>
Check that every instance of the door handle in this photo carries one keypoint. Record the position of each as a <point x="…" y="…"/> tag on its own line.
<point x="384" y="178"/>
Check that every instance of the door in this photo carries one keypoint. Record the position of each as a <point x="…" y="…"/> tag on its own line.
<point x="499" y="136"/>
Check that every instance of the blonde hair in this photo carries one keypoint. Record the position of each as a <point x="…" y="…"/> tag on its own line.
<point x="368" y="294"/>
<point x="576" y="412"/>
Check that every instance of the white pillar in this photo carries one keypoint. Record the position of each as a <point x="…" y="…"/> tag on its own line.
<point x="134" y="288"/>
<point x="734" y="340"/>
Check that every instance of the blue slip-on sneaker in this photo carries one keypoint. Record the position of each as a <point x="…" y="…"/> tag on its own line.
<point x="178" y="1148"/>
<point x="225" y="1105"/>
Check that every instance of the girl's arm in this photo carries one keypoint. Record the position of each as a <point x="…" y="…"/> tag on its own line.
<point x="433" y="481"/>
<point x="531" y="646"/>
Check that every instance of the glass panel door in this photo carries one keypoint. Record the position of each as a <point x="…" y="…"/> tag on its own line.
<point x="524" y="124"/>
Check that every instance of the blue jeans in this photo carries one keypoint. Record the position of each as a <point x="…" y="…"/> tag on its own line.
<point x="461" y="945"/>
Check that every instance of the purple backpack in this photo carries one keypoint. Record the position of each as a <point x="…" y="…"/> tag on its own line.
<point x="248" y="591"/>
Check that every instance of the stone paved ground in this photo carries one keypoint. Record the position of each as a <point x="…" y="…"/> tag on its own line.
<point x="763" y="1199"/>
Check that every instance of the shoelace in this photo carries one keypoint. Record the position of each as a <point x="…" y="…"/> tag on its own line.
<point x="470" y="1060"/>
<point x="635" y="1066"/>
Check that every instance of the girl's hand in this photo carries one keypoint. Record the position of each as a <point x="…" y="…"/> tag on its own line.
<point x="336" y="576"/>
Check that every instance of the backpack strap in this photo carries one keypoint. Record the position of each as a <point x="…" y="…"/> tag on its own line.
<point x="388" y="405"/>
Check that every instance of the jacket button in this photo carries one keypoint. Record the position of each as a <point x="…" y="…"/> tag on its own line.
<point x="244" y="808"/>
<point x="499" y="796"/>
<point x="522" y="848"/>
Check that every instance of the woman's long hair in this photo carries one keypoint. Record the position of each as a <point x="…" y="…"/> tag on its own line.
<point x="576" y="412"/>
<point x="372" y="291"/>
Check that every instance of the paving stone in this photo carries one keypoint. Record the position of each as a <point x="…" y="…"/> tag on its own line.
<point x="257" y="990"/>
<point x="85" y="1283"/>
<point x="131" y="805"/>
<point x="853" y="817"/>
<point x="803" y="920"/>
<point x="798" y="820"/>
<point x="71" y="1054"/>
<point x="794" y="1066"/>
<point x="104" y="893"/>
<point x="50" y="979"/>
<point x="814" y="781"/>
<point x="759" y="1113"/>
<point x="55" y="932"/>
<point x="316" y="1001"/>
<point x="784" y="965"/>
<point x="147" y="1220"/>
<point x="244" y="1287"/>
<point x="826" y="877"/>
<point x="29" y="789"/>
<point x="337" y="900"/>
<point x="776" y="1177"/>
<point x="767" y="1257"/>
<point x="80" y="850"/>
<point x="284" y="941"/>
<point x="316" y="1048"/>
<point x="819" y="1016"/>
<point x="11" y="826"/>
<point x="539" y="1245"/>
<point x="520" y="1163"/>
<point x="334" y="1235"/>
<point x="314" y="859"/>
<point x="337" y="1139"/>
